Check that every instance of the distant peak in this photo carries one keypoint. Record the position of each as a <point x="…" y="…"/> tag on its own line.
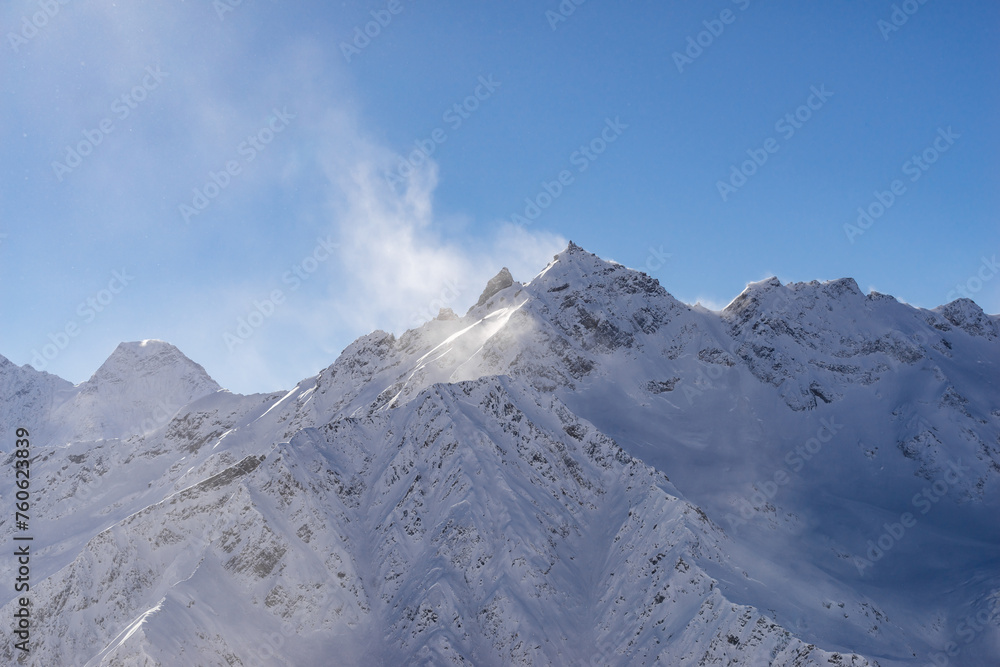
<point x="962" y="305"/>
<point x="151" y="357"/>
<point x="146" y="349"/>
<point x="967" y="315"/>
<point x="149" y="346"/>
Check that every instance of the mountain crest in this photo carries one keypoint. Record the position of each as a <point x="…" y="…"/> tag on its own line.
<point x="151" y="355"/>
<point x="967" y="315"/>
<point x="140" y="379"/>
<point x="582" y="470"/>
<point x="500" y="281"/>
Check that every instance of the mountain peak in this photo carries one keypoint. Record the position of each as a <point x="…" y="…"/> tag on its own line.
<point x="575" y="265"/>
<point x="765" y="284"/>
<point x="141" y="383"/>
<point x="575" y="252"/>
<point x="772" y="295"/>
<point x="147" y="358"/>
<point x="753" y="297"/>
<point x="25" y="391"/>
<point x="500" y="281"/>
<point x="967" y="315"/>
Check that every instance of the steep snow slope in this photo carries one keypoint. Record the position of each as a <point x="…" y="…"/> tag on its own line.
<point x="25" y="393"/>
<point x="462" y="529"/>
<point x="492" y="489"/>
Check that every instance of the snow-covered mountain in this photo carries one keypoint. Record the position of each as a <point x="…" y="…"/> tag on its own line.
<point x="580" y="471"/>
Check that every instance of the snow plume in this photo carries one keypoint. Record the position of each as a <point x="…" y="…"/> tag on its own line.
<point x="400" y="269"/>
<point x="273" y="158"/>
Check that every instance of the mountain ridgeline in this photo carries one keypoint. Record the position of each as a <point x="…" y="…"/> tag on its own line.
<point x="581" y="470"/>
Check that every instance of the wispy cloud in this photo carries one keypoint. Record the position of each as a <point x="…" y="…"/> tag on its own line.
<point x="323" y="176"/>
<point x="395" y="255"/>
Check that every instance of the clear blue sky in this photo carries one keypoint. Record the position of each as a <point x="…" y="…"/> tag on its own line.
<point x="291" y="126"/>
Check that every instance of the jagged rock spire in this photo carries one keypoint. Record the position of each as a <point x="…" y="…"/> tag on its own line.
<point x="500" y="281"/>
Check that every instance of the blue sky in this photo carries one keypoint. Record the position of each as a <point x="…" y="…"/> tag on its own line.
<point x="169" y="170"/>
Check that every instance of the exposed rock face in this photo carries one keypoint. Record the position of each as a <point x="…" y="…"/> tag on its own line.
<point x="500" y="281"/>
